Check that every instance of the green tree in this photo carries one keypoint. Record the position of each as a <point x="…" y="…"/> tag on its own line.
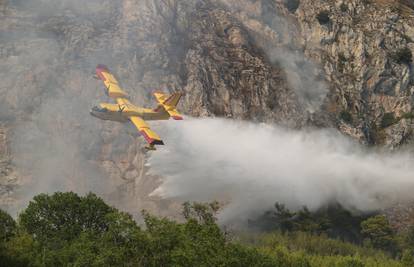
<point x="21" y="250"/>
<point x="197" y="242"/>
<point x="409" y="238"/>
<point x="7" y="227"/>
<point x="82" y="231"/>
<point x="378" y="231"/>
<point x="63" y="216"/>
<point x="407" y="258"/>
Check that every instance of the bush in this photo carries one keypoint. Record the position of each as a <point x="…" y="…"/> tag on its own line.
<point x="350" y="262"/>
<point x="7" y="227"/>
<point x="343" y="7"/>
<point x="342" y="61"/>
<point x="346" y="117"/>
<point x="332" y="220"/>
<point x="408" y="115"/>
<point x="379" y="232"/>
<point x="403" y="56"/>
<point x="323" y="17"/>
<point x="292" y="5"/>
<point x="388" y="119"/>
<point x="407" y="258"/>
<point x="377" y="135"/>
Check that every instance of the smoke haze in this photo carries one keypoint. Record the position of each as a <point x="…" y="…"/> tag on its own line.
<point x="47" y="59"/>
<point x="252" y="166"/>
<point x="279" y="45"/>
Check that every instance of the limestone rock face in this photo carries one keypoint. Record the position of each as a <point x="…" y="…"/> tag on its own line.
<point x="366" y="53"/>
<point x="343" y="64"/>
<point x="227" y="74"/>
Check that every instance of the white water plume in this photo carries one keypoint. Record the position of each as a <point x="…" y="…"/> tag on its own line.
<point x="252" y="166"/>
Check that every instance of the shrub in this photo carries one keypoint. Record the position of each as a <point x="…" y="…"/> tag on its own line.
<point x="346" y="117"/>
<point x="403" y="56"/>
<point x="377" y="135"/>
<point x="323" y="17"/>
<point x="292" y="5"/>
<point x="332" y="220"/>
<point x="350" y="262"/>
<point x="378" y="231"/>
<point x="388" y="119"/>
<point x="7" y="226"/>
<point x="343" y="7"/>
<point x="342" y="60"/>
<point x="408" y="115"/>
<point x="407" y="258"/>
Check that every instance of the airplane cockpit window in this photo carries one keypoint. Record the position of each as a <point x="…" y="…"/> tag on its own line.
<point x="98" y="109"/>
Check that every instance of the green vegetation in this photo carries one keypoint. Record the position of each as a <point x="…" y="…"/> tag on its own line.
<point x="7" y="226"/>
<point x="323" y="17"/>
<point x="346" y="117"/>
<point x="379" y="233"/>
<point x="377" y="135"/>
<point x="343" y="7"/>
<point x="65" y="229"/>
<point x="342" y="61"/>
<point x="388" y="119"/>
<point x="333" y="221"/>
<point x="319" y="250"/>
<point x="408" y="116"/>
<point x="292" y="5"/>
<point x="403" y="56"/>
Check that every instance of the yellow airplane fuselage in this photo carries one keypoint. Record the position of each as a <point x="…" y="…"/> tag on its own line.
<point x="123" y="110"/>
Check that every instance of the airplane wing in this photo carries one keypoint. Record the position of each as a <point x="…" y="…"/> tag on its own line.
<point x="111" y="84"/>
<point x="150" y="136"/>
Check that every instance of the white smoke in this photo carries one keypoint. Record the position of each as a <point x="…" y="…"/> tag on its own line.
<point x="255" y="165"/>
<point x="278" y="39"/>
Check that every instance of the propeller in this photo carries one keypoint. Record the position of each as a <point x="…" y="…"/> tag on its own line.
<point x="107" y="91"/>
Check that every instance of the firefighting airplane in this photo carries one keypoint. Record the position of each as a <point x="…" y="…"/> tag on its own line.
<point x="124" y="111"/>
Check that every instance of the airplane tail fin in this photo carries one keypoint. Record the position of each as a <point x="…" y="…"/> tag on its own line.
<point x="169" y="103"/>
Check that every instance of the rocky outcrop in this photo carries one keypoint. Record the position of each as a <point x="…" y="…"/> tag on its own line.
<point x="8" y="178"/>
<point x="366" y="53"/>
<point x="228" y="75"/>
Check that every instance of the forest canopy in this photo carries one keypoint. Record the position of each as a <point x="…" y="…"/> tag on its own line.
<point x="65" y="229"/>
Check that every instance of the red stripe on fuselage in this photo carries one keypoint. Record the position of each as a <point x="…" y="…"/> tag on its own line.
<point x="177" y="118"/>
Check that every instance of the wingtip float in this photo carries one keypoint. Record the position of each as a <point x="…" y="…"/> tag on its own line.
<point x="124" y="110"/>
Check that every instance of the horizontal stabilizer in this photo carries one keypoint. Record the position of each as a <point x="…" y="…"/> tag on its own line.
<point x="169" y="103"/>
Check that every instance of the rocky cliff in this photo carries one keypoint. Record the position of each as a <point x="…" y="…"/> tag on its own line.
<point x="343" y="64"/>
